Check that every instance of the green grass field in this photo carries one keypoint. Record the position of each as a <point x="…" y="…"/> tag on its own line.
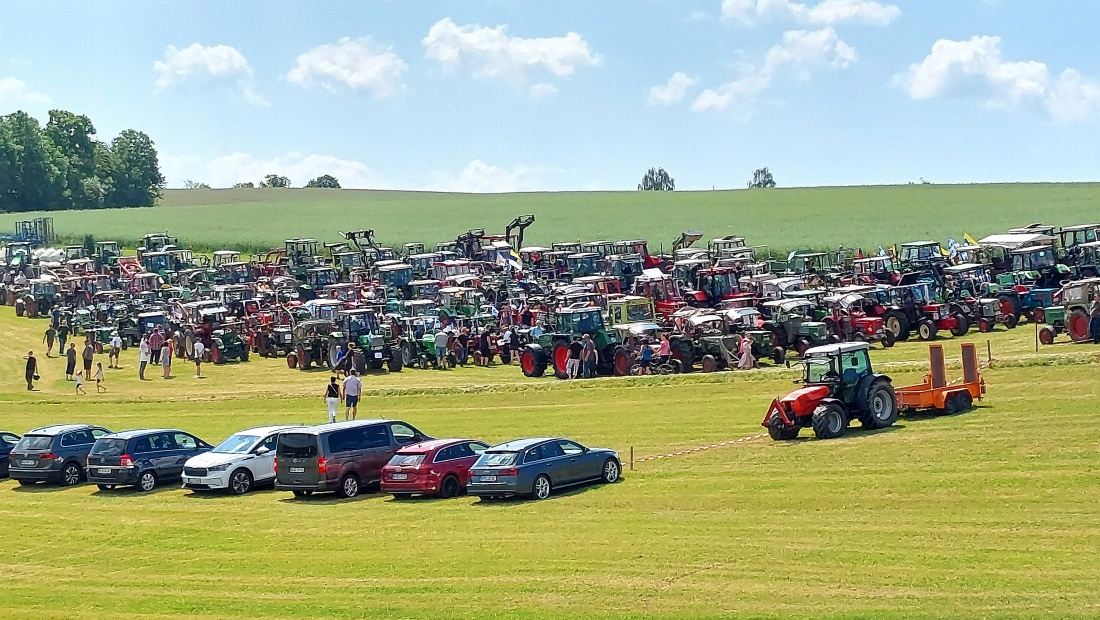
<point x="783" y="219"/>
<point x="991" y="514"/>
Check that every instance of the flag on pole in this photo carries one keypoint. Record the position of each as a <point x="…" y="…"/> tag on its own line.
<point x="969" y="240"/>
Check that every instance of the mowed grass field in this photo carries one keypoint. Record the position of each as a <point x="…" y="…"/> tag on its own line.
<point x="991" y="514"/>
<point x="783" y="219"/>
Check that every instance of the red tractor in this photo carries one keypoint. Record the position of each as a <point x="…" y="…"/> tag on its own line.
<point x="848" y="319"/>
<point x="662" y="289"/>
<point x="838" y="386"/>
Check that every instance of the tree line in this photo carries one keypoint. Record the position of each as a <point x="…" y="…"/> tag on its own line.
<point x="63" y="166"/>
<point x="659" y="180"/>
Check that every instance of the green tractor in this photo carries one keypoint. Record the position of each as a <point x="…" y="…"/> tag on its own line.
<point x="793" y="326"/>
<point x="552" y="347"/>
<point x="313" y="345"/>
<point x="1072" y="317"/>
<point x="362" y="327"/>
<point x="228" y="345"/>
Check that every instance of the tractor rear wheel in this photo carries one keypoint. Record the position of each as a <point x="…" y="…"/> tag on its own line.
<point x="709" y="363"/>
<point x="304" y="361"/>
<point x="621" y="362"/>
<point x="216" y="355"/>
<point x="408" y="354"/>
<point x="1046" y="335"/>
<point x="926" y="329"/>
<point x="333" y="354"/>
<point x="829" y="421"/>
<point x="684" y="351"/>
<point x="394" y="364"/>
<point x="292" y="360"/>
<point x="532" y="361"/>
<point x="881" y="407"/>
<point x="802" y="346"/>
<point x="779" y="431"/>
<point x="779" y="355"/>
<point x="897" y="322"/>
<point x="560" y="356"/>
<point x="1039" y="316"/>
<point x="1077" y="324"/>
<point x="962" y="325"/>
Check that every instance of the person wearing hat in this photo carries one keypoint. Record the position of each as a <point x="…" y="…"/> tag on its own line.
<point x="588" y="356"/>
<point x="112" y="356"/>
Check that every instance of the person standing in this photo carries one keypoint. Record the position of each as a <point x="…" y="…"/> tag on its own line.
<point x="199" y="350"/>
<point x="143" y="357"/>
<point x="166" y="358"/>
<point x="441" y="338"/>
<point x="116" y="348"/>
<point x="352" y="389"/>
<point x="47" y="339"/>
<point x="156" y="340"/>
<point x="70" y="361"/>
<point x="32" y="369"/>
<point x="87" y="355"/>
<point x="664" y="350"/>
<point x="1094" y="319"/>
<point x="332" y="398"/>
<point x="573" y="363"/>
<point x="506" y="346"/>
<point x="485" y="347"/>
<point x="645" y="358"/>
<point x="463" y="348"/>
<point x="62" y="336"/>
<point x="746" y="361"/>
<point x="99" y="387"/>
<point x="588" y="357"/>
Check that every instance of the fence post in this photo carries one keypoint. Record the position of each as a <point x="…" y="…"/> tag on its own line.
<point x="631" y="458"/>
<point x="1036" y="337"/>
<point x="988" y="352"/>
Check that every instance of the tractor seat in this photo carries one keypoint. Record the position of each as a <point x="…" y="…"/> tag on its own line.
<point x="851" y="375"/>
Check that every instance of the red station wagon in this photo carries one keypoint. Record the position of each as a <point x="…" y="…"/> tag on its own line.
<point x="437" y="467"/>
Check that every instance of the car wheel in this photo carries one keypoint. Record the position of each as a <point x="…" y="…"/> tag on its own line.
<point x="105" y="487"/>
<point x="349" y="486"/>
<point x="610" y="471"/>
<point x="147" y="481"/>
<point x="70" y="475"/>
<point x="541" y="488"/>
<point x="449" y="488"/>
<point x="240" y="482"/>
<point x="303" y="493"/>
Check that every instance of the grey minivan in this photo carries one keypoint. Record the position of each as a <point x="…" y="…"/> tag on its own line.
<point x="342" y="457"/>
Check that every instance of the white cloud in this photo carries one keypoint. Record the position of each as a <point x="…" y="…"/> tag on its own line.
<point x="214" y="64"/>
<point x="479" y="177"/>
<point x="493" y="53"/>
<point x="801" y="52"/>
<point x="975" y="67"/>
<point x="673" y="91"/>
<point x="239" y="167"/>
<point x="824" y="13"/>
<point x="14" y="91"/>
<point x="538" y="91"/>
<point x="357" y="64"/>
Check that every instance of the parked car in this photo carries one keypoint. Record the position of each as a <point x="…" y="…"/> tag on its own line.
<point x="7" y="442"/>
<point x="537" y="466"/>
<point x="238" y="464"/>
<point x="342" y="457"/>
<point x="54" y="453"/>
<point x="142" y="458"/>
<point x="437" y="467"/>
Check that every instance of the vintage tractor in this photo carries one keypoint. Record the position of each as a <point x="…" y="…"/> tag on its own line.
<point x="875" y="270"/>
<point x="838" y="386"/>
<point x="848" y="319"/>
<point x="921" y="255"/>
<point x="1072" y="317"/>
<point x="792" y="323"/>
<point x="552" y="347"/>
<point x="662" y="289"/>
<point x="914" y="307"/>
<point x="229" y="344"/>
<point x="313" y="345"/>
<point x="362" y="327"/>
<point x="719" y="349"/>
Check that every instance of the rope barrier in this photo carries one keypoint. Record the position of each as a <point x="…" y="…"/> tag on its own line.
<point x="690" y="451"/>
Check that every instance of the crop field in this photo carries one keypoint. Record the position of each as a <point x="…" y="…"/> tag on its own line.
<point x="783" y="219"/>
<point x="990" y="514"/>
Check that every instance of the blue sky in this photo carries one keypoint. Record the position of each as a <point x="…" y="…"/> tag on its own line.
<point x="502" y="95"/>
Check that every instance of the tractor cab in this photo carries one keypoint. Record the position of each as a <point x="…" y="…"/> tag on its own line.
<point x="778" y="288"/>
<point x="364" y="329"/>
<point x="421" y="263"/>
<point x="344" y="291"/>
<point x="1087" y="260"/>
<point x="639" y="247"/>
<point x="317" y="278"/>
<point x="224" y="257"/>
<point x="107" y="252"/>
<point x="999" y="247"/>
<point x="627" y="309"/>
<point x="625" y="267"/>
<point x="716" y="247"/>
<point x="737" y="258"/>
<point x="144" y="282"/>
<point x="849" y="319"/>
<point x="717" y="285"/>
<point x="875" y="270"/>
<point x="1033" y="229"/>
<point x="815" y="263"/>
<point x="603" y="248"/>
<point x="570" y="247"/>
<point x="599" y="284"/>
<point x="233" y="296"/>
<point x="533" y="257"/>
<point x="346" y="262"/>
<point x="324" y="309"/>
<point x="301" y="255"/>
<point x="411" y="249"/>
<point x="459" y="300"/>
<point x="684" y="270"/>
<point x="395" y="277"/>
<point x="1037" y="265"/>
<point x="450" y="269"/>
<point x="584" y="264"/>
<point x="73" y="252"/>
<point x="840" y="367"/>
<point x="965" y="281"/>
<point x="794" y="325"/>
<point x="1073" y="236"/>
<point x="662" y="289"/>
<point x="234" y="273"/>
<point x="424" y="289"/>
<point x="18" y="253"/>
<point x="156" y="242"/>
<point x="157" y="262"/>
<point x="740" y="320"/>
<point x="420" y="307"/>
<point x="917" y="255"/>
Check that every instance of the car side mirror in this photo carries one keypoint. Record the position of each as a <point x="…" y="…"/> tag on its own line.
<point x="262" y="450"/>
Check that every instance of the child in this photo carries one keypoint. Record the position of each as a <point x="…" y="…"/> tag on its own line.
<point x="99" y="389"/>
<point x="80" y="382"/>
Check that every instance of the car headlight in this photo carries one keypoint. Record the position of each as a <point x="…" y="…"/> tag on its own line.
<point x="222" y="467"/>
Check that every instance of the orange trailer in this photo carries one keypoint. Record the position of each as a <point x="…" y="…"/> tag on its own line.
<point x="939" y="395"/>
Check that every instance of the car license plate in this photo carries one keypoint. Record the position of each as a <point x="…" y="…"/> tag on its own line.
<point x="377" y="355"/>
<point x="103" y="471"/>
<point x="488" y="478"/>
<point x="190" y="480"/>
<point x="297" y="470"/>
<point x="28" y="462"/>
<point x="400" y="476"/>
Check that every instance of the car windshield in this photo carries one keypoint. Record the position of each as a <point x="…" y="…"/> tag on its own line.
<point x="407" y="460"/>
<point x="34" y="442"/>
<point x="496" y="459"/>
<point x="236" y="444"/>
<point x="816" y="369"/>
<point x="297" y="445"/>
<point x="109" y="447"/>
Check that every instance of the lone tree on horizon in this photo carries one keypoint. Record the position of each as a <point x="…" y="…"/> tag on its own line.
<point x="326" y="181"/>
<point x="762" y="178"/>
<point x="657" y="180"/>
<point x="275" y="180"/>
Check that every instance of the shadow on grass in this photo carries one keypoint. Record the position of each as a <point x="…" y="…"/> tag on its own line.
<point x="131" y="491"/>
<point x="224" y="494"/>
<point x="329" y="499"/>
<point x="489" y="502"/>
<point x="934" y="414"/>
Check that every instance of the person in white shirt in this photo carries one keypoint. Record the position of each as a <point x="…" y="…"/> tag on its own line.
<point x="143" y="357"/>
<point x="441" y="338"/>
<point x="20" y="279"/>
<point x="200" y="349"/>
<point x="352" y="389"/>
<point x="116" y="347"/>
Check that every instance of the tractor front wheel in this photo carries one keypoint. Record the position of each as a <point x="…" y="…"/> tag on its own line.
<point x="985" y="326"/>
<point x="779" y="431"/>
<point x="710" y="363"/>
<point x="1011" y="321"/>
<point x="926" y="329"/>
<point x="1046" y="335"/>
<point x="292" y="360"/>
<point x="897" y="323"/>
<point x="829" y="421"/>
<point x="1039" y="316"/>
<point x="1077" y="324"/>
<point x="888" y="340"/>
<point x="779" y="355"/>
<point x="621" y="360"/>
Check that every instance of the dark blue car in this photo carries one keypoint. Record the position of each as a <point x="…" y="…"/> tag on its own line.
<point x="7" y="442"/>
<point x="142" y="458"/>
<point x="537" y="466"/>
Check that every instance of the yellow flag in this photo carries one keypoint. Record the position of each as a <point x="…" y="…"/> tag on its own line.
<point x="969" y="240"/>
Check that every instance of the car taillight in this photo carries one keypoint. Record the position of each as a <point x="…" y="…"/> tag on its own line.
<point x="508" y="472"/>
<point x="49" y="456"/>
<point x="125" y="461"/>
<point x="322" y="465"/>
<point x="275" y="463"/>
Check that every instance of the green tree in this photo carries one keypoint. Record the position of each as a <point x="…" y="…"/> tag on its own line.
<point x="139" y="182"/>
<point x="274" y="180"/>
<point x="326" y="181"/>
<point x="762" y="178"/>
<point x="189" y="184"/>
<point x="244" y="185"/>
<point x="657" y="180"/>
<point x="74" y="137"/>
<point x="32" y="168"/>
